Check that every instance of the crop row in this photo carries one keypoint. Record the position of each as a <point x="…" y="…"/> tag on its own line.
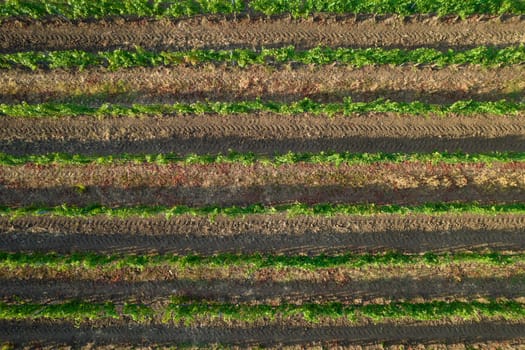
<point x="487" y="56"/>
<point x="258" y="261"/>
<point x="278" y="159"/>
<point x="323" y="209"/>
<point x="76" y="9"/>
<point x="306" y="105"/>
<point x="187" y="311"/>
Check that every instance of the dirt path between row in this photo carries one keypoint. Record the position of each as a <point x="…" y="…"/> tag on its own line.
<point x="263" y="225"/>
<point x="224" y="290"/>
<point x="387" y="32"/>
<point x="307" y="243"/>
<point x="226" y="83"/>
<point x="262" y="133"/>
<point x="45" y="333"/>
<point x="236" y="184"/>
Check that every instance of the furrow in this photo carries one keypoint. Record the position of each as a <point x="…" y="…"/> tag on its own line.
<point x="220" y="33"/>
<point x="249" y="243"/>
<point x="224" y="83"/>
<point x="402" y="288"/>
<point x="262" y="224"/>
<point x="46" y="333"/>
<point x="261" y="133"/>
<point x="271" y="194"/>
<point x="198" y="185"/>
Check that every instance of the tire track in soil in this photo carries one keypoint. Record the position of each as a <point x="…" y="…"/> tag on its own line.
<point x="271" y="233"/>
<point x="233" y="291"/>
<point x="263" y="225"/>
<point x="262" y="133"/>
<point x="55" y="333"/>
<point x="211" y="184"/>
<point x="221" y="33"/>
<point x="268" y="194"/>
<point x="308" y="243"/>
<point x="325" y="83"/>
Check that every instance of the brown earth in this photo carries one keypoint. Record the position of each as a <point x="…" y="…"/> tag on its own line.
<point x="225" y="33"/>
<point x="237" y="184"/>
<point x="265" y="234"/>
<point x="44" y="332"/>
<point x="263" y="133"/>
<point x="226" y="83"/>
<point x="411" y="288"/>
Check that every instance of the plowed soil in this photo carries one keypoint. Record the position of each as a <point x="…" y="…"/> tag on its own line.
<point x="226" y="83"/>
<point x="235" y="184"/>
<point x="233" y="291"/>
<point x="265" y="234"/>
<point x="262" y="133"/>
<point x="221" y="33"/>
<point x="47" y="333"/>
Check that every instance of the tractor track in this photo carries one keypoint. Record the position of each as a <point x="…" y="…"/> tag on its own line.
<point x="326" y="83"/>
<point x="233" y="291"/>
<point x="56" y="333"/>
<point x="265" y="234"/>
<point x="249" y="243"/>
<point x="271" y="194"/>
<point x="263" y="133"/>
<point x="211" y="184"/>
<point x="262" y="224"/>
<point x="208" y="32"/>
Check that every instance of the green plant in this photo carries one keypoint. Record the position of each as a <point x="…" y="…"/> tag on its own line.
<point x="321" y="209"/>
<point x="76" y="9"/>
<point x="347" y="108"/>
<point x="278" y="159"/>
<point x="118" y="59"/>
<point x="65" y="262"/>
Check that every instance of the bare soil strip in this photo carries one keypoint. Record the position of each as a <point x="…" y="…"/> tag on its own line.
<point x="265" y="234"/>
<point x="262" y="133"/>
<point x="46" y="333"/>
<point x="224" y="83"/>
<point x="235" y="184"/>
<point x="263" y="225"/>
<point x="224" y="290"/>
<point x="267" y="195"/>
<point x="406" y="241"/>
<point x="221" y="33"/>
